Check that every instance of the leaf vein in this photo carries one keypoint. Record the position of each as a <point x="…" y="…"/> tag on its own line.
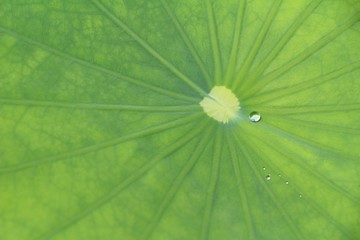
<point x="118" y="22"/>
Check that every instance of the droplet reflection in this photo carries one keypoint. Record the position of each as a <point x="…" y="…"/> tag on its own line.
<point x="255" y="117"/>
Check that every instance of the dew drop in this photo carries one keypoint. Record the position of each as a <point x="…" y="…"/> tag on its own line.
<point x="255" y="117"/>
<point x="268" y="177"/>
<point x="300" y="196"/>
<point x="264" y="168"/>
<point x="287" y="182"/>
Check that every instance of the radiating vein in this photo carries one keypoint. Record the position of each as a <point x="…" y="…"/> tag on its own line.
<point x="98" y="67"/>
<point x="239" y="79"/>
<point x="241" y="189"/>
<point x="283" y="212"/>
<point x="106" y="198"/>
<point x="334" y="221"/>
<point x="210" y="194"/>
<point x="100" y="106"/>
<point x="188" y="42"/>
<point x="118" y="22"/>
<point x="285" y="152"/>
<point x="309" y="109"/>
<point x="214" y="39"/>
<point x="102" y="145"/>
<point x="278" y="93"/>
<point x="306" y="141"/>
<point x="316" y="125"/>
<point x="201" y="147"/>
<point x="275" y="145"/>
<point x="301" y="57"/>
<point x="239" y="25"/>
<point x="299" y="21"/>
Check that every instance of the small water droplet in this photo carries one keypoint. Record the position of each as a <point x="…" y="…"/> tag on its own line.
<point x="264" y="168"/>
<point x="268" y="177"/>
<point x="300" y="196"/>
<point x="287" y="182"/>
<point x="279" y="175"/>
<point x="255" y="117"/>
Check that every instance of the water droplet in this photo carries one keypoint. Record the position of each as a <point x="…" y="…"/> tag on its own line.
<point x="268" y="177"/>
<point x="279" y="175"/>
<point x="264" y="168"/>
<point x="287" y="182"/>
<point x="300" y="196"/>
<point x="255" y="117"/>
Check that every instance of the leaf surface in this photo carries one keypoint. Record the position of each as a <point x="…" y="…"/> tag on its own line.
<point x="103" y="137"/>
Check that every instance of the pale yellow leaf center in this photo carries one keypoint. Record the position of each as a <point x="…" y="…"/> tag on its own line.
<point x="221" y="104"/>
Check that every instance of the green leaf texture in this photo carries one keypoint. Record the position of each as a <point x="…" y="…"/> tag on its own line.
<point x="102" y="135"/>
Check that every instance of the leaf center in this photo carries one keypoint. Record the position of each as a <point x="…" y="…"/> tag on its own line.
<point x="221" y="104"/>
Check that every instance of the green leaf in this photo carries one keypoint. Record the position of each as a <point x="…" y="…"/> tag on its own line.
<point x="103" y="137"/>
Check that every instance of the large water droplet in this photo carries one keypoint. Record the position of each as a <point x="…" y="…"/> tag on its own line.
<point x="268" y="177"/>
<point x="255" y="117"/>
